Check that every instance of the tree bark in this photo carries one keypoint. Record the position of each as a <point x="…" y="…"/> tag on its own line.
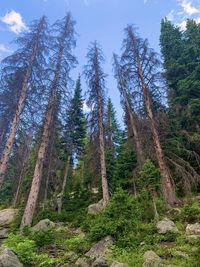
<point x="60" y="202"/>
<point x="36" y="181"/>
<point x="105" y="189"/>
<point x="167" y="185"/>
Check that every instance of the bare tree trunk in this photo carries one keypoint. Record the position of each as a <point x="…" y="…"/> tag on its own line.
<point x="105" y="188"/>
<point x="167" y="184"/>
<point x="60" y="202"/>
<point x="36" y="181"/>
<point x="132" y="117"/>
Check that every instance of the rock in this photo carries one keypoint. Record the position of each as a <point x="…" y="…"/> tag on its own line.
<point x="192" y="239"/>
<point x="118" y="264"/>
<point x="101" y="248"/>
<point x="3" y="233"/>
<point x="82" y="262"/>
<point x="96" y="208"/>
<point x="151" y="259"/>
<point x="7" y="216"/>
<point x="45" y="224"/>
<point x="9" y="259"/>
<point x="100" y="262"/>
<point x="193" y="229"/>
<point x="166" y="226"/>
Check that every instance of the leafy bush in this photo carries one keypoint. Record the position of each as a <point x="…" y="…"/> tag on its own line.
<point x="77" y="244"/>
<point x="42" y="238"/>
<point x="24" y="248"/>
<point x="121" y="219"/>
<point x="191" y="213"/>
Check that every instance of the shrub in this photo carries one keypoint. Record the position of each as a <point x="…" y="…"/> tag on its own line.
<point x="77" y="244"/>
<point x="191" y="213"/>
<point x="23" y="247"/>
<point x="121" y="219"/>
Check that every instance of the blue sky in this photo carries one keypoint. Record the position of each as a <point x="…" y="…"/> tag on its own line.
<point x="101" y="20"/>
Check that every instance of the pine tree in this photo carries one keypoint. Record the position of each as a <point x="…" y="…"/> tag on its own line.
<point x="113" y="137"/>
<point x="131" y="116"/>
<point x="76" y="122"/>
<point x="96" y="99"/>
<point x="28" y="61"/>
<point x="61" y="62"/>
<point x="143" y="66"/>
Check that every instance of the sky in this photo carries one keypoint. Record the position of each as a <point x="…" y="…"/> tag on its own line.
<point x="101" y="20"/>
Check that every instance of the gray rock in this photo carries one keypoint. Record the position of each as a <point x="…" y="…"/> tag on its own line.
<point x="151" y="259"/>
<point x="45" y="224"/>
<point x="100" y="262"/>
<point x="118" y="264"/>
<point x="9" y="259"/>
<point x="101" y="248"/>
<point x="193" y="229"/>
<point x="166" y="226"/>
<point x="81" y="262"/>
<point x="96" y="208"/>
<point x="7" y="216"/>
<point x="3" y="233"/>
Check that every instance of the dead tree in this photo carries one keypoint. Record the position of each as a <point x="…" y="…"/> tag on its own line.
<point x="143" y="68"/>
<point x="62" y="62"/>
<point x="30" y="58"/>
<point x="96" y="96"/>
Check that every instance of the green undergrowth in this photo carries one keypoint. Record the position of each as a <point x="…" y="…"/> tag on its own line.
<point x="130" y="221"/>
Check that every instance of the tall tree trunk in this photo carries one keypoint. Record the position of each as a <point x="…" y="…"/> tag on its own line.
<point x="105" y="189"/>
<point x="60" y="201"/>
<point x="133" y="122"/>
<point x="36" y="181"/>
<point x="167" y="184"/>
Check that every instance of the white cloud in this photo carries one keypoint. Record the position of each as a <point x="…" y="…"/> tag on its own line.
<point x="86" y="109"/>
<point x="188" y="7"/>
<point x="182" y="25"/>
<point x="171" y="15"/>
<point x="15" y="21"/>
<point x="4" y="49"/>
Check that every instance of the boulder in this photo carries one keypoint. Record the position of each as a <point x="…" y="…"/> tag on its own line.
<point x="151" y="259"/>
<point x="96" y="208"/>
<point x="100" y="262"/>
<point x="166" y="226"/>
<point x="81" y="262"/>
<point x="193" y="229"/>
<point x="7" y="216"/>
<point x="9" y="259"/>
<point x="118" y="264"/>
<point x="101" y="248"/>
<point x="45" y="225"/>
